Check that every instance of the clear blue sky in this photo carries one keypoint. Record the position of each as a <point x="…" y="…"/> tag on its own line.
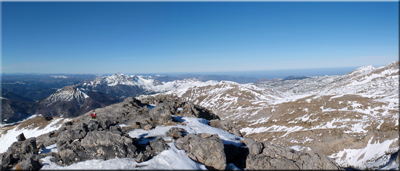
<point x="161" y="37"/>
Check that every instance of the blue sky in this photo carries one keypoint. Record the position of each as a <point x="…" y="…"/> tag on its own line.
<point x="162" y="37"/>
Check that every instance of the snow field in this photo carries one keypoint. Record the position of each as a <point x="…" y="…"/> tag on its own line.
<point x="10" y="137"/>
<point x="300" y="148"/>
<point x="172" y="159"/>
<point x="193" y="125"/>
<point x="30" y="117"/>
<point x="359" y="157"/>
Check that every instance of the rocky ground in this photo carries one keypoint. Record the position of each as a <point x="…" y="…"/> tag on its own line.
<point x="110" y="136"/>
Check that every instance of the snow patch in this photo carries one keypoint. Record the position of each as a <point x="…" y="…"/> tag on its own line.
<point x="359" y="157"/>
<point x="300" y="148"/>
<point x="10" y="137"/>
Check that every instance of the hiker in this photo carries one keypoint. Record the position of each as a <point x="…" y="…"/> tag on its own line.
<point x="93" y="115"/>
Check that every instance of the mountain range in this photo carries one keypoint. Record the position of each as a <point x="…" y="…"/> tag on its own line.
<point x="352" y="118"/>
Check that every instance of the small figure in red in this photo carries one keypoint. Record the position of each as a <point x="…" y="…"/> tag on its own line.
<point x="93" y="115"/>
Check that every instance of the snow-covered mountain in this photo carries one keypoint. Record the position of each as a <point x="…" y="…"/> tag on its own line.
<point x="121" y="79"/>
<point x="71" y="101"/>
<point x="66" y="94"/>
<point x="123" y="86"/>
<point x="366" y="81"/>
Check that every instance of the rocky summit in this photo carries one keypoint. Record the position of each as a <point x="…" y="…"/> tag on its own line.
<point x="151" y="134"/>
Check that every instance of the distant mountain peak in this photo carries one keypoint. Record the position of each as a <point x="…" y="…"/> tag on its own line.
<point x="66" y="94"/>
<point x="268" y="80"/>
<point x="361" y="70"/>
<point x="294" y="78"/>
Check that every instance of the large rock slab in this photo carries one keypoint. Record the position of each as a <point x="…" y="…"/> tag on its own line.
<point x="204" y="148"/>
<point x="162" y="114"/>
<point x="72" y="147"/>
<point x="109" y="144"/>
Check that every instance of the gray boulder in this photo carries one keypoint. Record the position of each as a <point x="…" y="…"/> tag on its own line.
<point x="157" y="146"/>
<point x="261" y="162"/>
<point x="93" y="125"/>
<point x="93" y="145"/>
<point x="68" y="157"/>
<point x="64" y="137"/>
<point x="162" y="114"/>
<point x="109" y="145"/>
<point x="47" y="139"/>
<point x="20" y="151"/>
<point x="29" y="146"/>
<point x="254" y="146"/>
<point x="29" y="163"/>
<point x="204" y="148"/>
<point x="140" y="118"/>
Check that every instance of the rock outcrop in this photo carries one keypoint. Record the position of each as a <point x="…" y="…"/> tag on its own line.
<point x="161" y="114"/>
<point x="182" y="108"/>
<point x="95" y="140"/>
<point x="204" y="148"/>
<point x="191" y="110"/>
<point x="268" y="156"/>
<point x="70" y="101"/>
<point x="23" y="154"/>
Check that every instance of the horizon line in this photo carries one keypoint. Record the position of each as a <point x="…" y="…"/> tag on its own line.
<point x="189" y="72"/>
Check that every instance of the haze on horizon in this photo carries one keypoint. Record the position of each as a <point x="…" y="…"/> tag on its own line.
<point x="196" y="37"/>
